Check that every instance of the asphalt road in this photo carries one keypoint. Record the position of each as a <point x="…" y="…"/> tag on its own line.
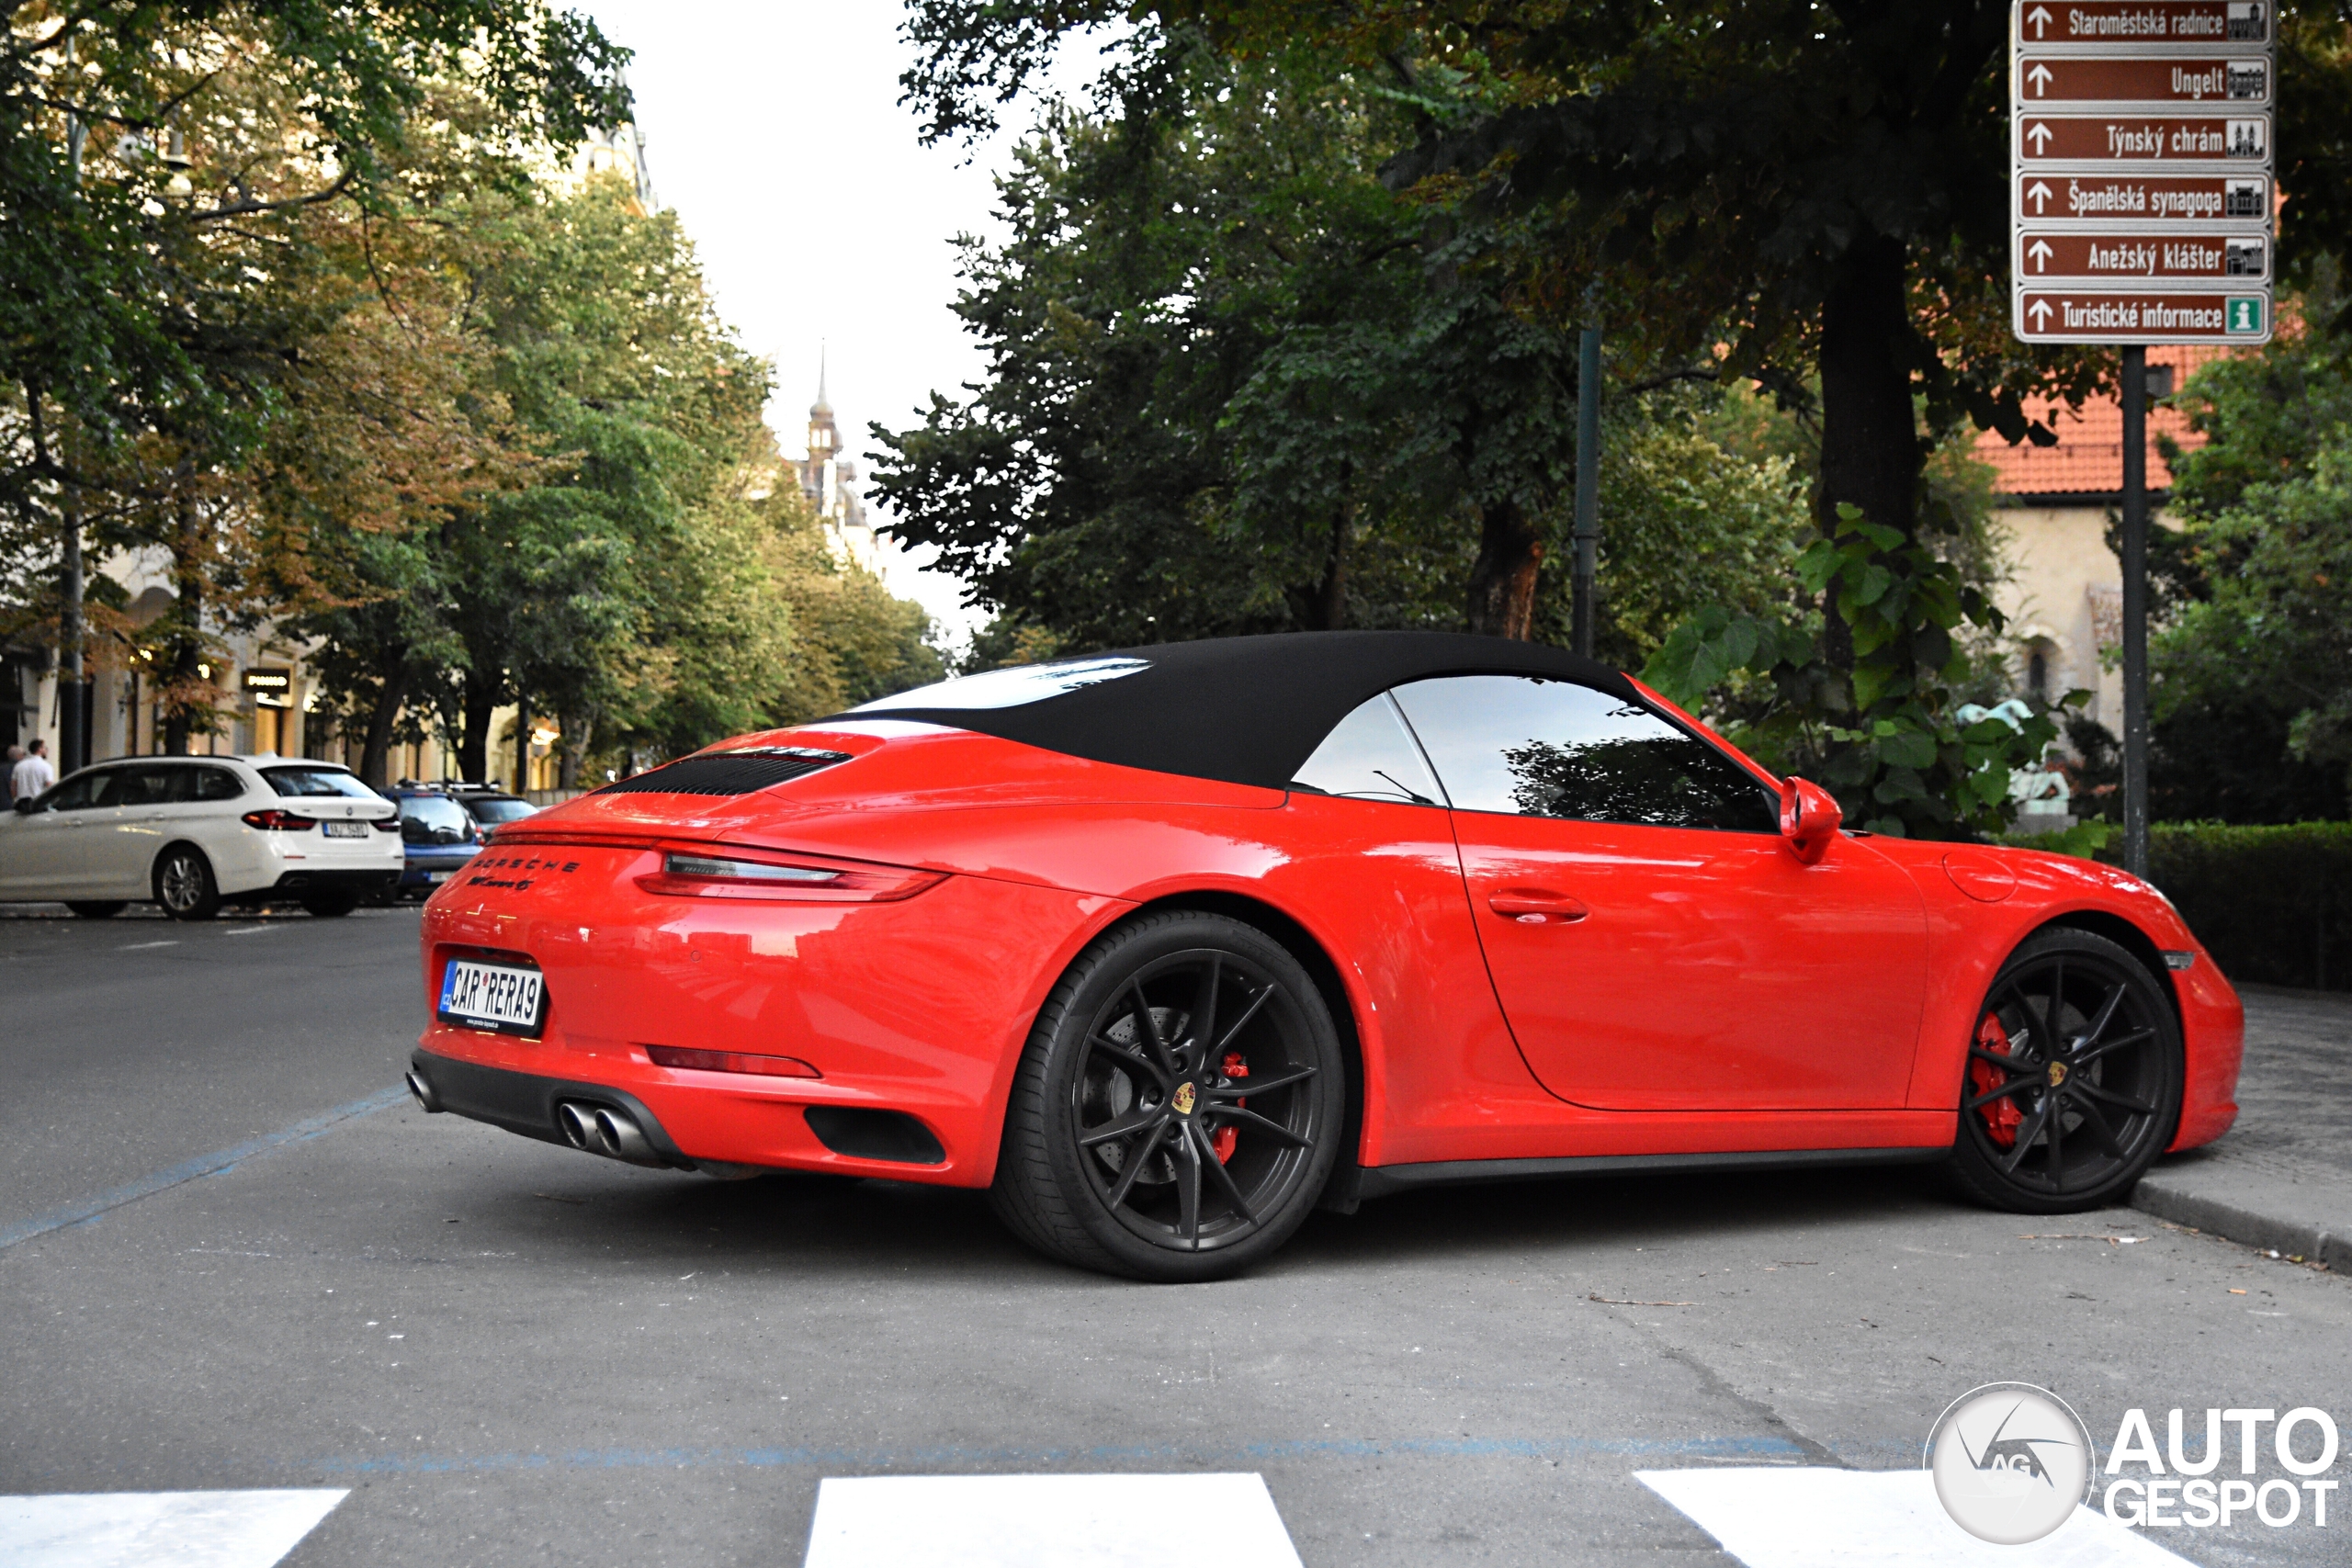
<point x="515" y="1354"/>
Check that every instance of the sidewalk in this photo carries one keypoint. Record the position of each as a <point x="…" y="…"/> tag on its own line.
<point x="2282" y="1178"/>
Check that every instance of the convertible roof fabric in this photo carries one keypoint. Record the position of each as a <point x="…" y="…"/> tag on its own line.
<point x="1249" y="709"/>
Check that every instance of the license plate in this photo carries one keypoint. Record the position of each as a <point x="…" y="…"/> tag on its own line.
<point x="504" y="998"/>
<point x="346" y="830"/>
<point x="437" y="876"/>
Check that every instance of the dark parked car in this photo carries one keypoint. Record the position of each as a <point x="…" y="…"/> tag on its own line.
<point x="439" y="836"/>
<point x="489" y="807"/>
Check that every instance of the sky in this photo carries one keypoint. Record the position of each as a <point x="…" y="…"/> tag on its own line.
<point x="773" y="128"/>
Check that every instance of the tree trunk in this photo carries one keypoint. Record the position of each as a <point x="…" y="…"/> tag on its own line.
<point x="1324" y="608"/>
<point x="1502" y="581"/>
<point x="1870" y="451"/>
<point x="375" y="752"/>
<point x="473" y="742"/>
<point x="522" y="742"/>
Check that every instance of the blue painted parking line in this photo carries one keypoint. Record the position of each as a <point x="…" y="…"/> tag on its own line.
<point x="213" y="1163"/>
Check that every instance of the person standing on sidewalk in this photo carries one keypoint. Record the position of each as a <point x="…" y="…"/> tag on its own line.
<point x="32" y="775"/>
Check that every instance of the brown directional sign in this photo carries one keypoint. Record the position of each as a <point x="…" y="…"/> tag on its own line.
<point x="2143" y="138"/>
<point x="2145" y="22"/>
<point x="2113" y="79"/>
<point x="2136" y="198"/>
<point x="2126" y="315"/>
<point x="2109" y="258"/>
<point x="2142" y="162"/>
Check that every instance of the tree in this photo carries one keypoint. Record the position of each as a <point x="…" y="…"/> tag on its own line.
<point x="1239" y="385"/>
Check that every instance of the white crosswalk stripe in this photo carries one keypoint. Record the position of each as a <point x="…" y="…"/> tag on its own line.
<point x="1047" y="1521"/>
<point x="1802" y="1516"/>
<point x="159" y="1529"/>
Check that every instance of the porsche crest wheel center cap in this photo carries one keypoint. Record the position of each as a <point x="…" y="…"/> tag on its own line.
<point x="1183" y="1099"/>
<point x="2057" y="1074"/>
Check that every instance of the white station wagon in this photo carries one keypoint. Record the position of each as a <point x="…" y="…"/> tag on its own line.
<point x="193" y="833"/>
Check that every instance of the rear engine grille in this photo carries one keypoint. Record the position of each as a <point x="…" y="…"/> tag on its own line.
<point x="728" y="772"/>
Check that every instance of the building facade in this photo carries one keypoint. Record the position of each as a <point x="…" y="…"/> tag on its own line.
<point x="2064" y="596"/>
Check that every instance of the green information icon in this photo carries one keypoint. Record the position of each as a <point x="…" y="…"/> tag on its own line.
<point x="2244" y="318"/>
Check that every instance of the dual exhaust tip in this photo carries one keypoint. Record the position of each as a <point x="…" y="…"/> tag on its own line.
<point x="605" y="1130"/>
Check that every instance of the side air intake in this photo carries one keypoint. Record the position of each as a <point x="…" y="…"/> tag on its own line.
<point x="728" y="772"/>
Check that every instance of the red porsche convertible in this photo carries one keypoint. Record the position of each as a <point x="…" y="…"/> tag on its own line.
<point x="1166" y="947"/>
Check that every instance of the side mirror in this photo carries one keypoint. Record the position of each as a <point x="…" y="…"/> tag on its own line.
<point x="1809" y="818"/>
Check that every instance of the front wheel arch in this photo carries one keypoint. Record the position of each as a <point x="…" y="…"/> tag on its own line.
<point x="2125" y="935"/>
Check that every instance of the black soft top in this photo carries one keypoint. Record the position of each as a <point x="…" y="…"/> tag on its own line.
<point x="1248" y="710"/>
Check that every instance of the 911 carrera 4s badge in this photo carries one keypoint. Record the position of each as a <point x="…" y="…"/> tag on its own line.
<point x="1183" y="1099"/>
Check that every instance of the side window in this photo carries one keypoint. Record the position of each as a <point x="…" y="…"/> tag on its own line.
<point x="86" y="790"/>
<point x="1539" y="747"/>
<point x="215" y="783"/>
<point x="1368" y="756"/>
<point x="147" y="785"/>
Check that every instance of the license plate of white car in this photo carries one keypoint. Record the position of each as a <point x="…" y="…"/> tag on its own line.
<point x="345" y="829"/>
<point x="503" y="997"/>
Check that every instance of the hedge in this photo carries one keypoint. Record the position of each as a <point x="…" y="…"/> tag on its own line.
<point x="2272" y="904"/>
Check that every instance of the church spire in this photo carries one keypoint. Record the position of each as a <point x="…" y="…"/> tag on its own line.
<point x="821" y="408"/>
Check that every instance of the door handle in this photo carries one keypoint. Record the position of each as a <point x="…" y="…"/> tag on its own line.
<point x="1536" y="907"/>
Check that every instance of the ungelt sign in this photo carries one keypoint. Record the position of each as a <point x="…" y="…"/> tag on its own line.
<point x="2142" y="155"/>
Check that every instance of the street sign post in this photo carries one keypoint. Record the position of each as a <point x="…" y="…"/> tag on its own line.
<point x="2141" y="203"/>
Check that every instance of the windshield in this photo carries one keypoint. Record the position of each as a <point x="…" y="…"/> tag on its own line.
<point x="497" y="811"/>
<point x="1010" y="688"/>
<point x="317" y="780"/>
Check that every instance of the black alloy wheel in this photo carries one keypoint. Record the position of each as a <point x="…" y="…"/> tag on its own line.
<point x="2074" y="1079"/>
<point x="1179" y="1107"/>
<point x="185" y="885"/>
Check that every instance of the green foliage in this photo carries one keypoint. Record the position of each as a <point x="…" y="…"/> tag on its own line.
<point x="1880" y="734"/>
<point x="1238" y="385"/>
<point x="2272" y="904"/>
<point x="2252" y="688"/>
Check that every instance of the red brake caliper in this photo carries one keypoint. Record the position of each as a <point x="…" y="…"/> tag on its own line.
<point x="1233" y="1067"/>
<point x="2001" y="1116"/>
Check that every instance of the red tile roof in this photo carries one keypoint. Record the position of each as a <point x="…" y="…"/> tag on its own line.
<point x="2088" y="458"/>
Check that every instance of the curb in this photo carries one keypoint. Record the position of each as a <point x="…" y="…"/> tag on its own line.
<point x="2312" y="1242"/>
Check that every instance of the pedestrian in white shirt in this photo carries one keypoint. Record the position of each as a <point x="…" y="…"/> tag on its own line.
<point x="32" y="775"/>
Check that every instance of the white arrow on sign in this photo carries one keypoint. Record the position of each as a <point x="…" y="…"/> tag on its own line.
<point x="2040" y="77"/>
<point x="2041" y="194"/>
<point x="2041" y="252"/>
<point x="2041" y="20"/>
<point x="2039" y="135"/>
<point x="2040" y="311"/>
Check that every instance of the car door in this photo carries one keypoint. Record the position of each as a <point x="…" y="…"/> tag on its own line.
<point x="1654" y="942"/>
<point x="122" y="837"/>
<point x="44" y="854"/>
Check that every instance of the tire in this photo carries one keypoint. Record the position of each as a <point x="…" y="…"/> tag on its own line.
<point x="330" y="906"/>
<point x="99" y="909"/>
<point x="1202" y="1182"/>
<point x="2044" y="1133"/>
<point x="185" y="885"/>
